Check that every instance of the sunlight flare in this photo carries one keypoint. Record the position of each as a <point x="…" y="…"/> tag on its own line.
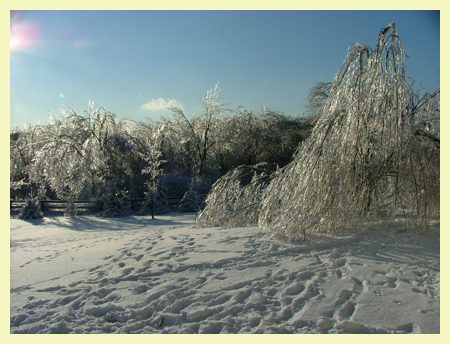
<point x="23" y="34"/>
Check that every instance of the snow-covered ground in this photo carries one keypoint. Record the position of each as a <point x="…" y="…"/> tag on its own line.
<point x="137" y="275"/>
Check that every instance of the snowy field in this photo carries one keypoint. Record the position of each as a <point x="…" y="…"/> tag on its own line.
<point x="137" y="275"/>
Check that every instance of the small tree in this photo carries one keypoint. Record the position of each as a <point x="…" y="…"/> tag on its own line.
<point x="71" y="209"/>
<point x="190" y="202"/>
<point x="151" y="154"/>
<point x="118" y="205"/>
<point x="31" y="209"/>
<point x="155" y="205"/>
<point x="191" y="199"/>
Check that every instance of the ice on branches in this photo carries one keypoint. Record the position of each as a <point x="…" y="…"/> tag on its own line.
<point x="363" y="160"/>
<point x="75" y="158"/>
<point x="151" y="154"/>
<point x="71" y="209"/>
<point x="190" y="202"/>
<point x="234" y="199"/>
<point x="373" y="154"/>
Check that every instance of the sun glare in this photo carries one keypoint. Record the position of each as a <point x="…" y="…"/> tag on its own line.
<point x="23" y="33"/>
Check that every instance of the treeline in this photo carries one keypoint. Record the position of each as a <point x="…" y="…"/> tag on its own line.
<point x="91" y="155"/>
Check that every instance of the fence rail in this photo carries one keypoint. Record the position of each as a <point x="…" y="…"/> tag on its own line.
<point x="85" y="204"/>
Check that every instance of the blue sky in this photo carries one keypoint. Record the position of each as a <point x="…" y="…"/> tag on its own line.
<point x="135" y="63"/>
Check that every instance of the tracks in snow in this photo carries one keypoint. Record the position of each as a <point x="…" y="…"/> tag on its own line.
<point x="224" y="281"/>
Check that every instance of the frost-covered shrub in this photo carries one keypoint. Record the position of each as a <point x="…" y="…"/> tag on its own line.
<point x="235" y="198"/>
<point x="71" y="210"/>
<point x="159" y="204"/>
<point x="190" y="202"/>
<point x="31" y="210"/>
<point x="118" y="206"/>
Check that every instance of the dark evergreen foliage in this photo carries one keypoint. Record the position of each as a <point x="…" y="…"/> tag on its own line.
<point x="31" y="210"/>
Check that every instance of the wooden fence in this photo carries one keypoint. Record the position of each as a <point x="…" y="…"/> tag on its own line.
<point x="88" y="205"/>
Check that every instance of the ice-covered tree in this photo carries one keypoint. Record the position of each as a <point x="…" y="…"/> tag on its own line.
<point x="366" y="159"/>
<point x="317" y="99"/>
<point x="24" y="144"/>
<point x="191" y="199"/>
<point x="373" y="154"/>
<point x="190" y="202"/>
<point x="80" y="158"/>
<point x="71" y="209"/>
<point x="201" y="131"/>
<point x="151" y="154"/>
<point x="234" y="199"/>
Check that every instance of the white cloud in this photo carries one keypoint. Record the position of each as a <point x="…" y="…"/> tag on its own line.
<point x="161" y="104"/>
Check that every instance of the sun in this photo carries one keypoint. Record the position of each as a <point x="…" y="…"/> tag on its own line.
<point x="23" y="33"/>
